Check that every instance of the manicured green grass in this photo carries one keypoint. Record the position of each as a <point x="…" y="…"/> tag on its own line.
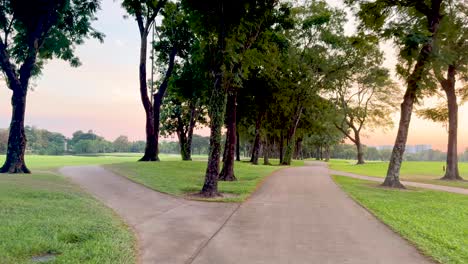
<point x="417" y="171"/>
<point x="39" y="162"/>
<point x="42" y="162"/>
<point x="44" y="213"/>
<point x="181" y="177"/>
<point x="436" y="222"/>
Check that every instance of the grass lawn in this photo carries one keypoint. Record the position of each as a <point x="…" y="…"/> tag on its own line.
<point x="181" y="177"/>
<point x="43" y="213"/>
<point x="41" y="163"/>
<point x="436" y="222"/>
<point x="417" y="171"/>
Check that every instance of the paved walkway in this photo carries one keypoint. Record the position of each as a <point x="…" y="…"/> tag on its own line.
<point x="298" y="215"/>
<point x="169" y="230"/>
<point x="407" y="183"/>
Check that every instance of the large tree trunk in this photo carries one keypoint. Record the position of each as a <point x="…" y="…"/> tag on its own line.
<point x="298" y="149"/>
<point x="451" y="172"/>
<point x="327" y="153"/>
<point x="360" y="152"/>
<point x="193" y="121"/>
<point x="413" y="87"/>
<point x="290" y="141"/>
<point x="257" y="140"/>
<point x="237" y="145"/>
<point x="216" y="113"/>
<point x="185" y="137"/>
<point x="14" y="162"/>
<point x="151" y="149"/>
<point x="281" y="147"/>
<point x="227" y="172"/>
<point x="266" y="152"/>
<point x="158" y="99"/>
<point x="393" y="173"/>
<point x="183" y="145"/>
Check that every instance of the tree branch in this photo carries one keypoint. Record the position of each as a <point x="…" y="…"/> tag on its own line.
<point x="8" y="68"/>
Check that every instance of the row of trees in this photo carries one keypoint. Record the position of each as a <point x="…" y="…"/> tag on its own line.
<point x="431" y="39"/>
<point x="275" y="73"/>
<point x="288" y="74"/>
<point x="282" y="74"/>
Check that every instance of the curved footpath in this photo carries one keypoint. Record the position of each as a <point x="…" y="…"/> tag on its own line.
<point x="299" y="215"/>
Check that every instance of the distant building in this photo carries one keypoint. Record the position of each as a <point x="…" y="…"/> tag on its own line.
<point x="412" y="149"/>
<point x="385" y="147"/>
<point x="422" y="148"/>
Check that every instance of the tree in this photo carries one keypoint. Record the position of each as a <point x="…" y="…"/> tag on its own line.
<point x="363" y="95"/>
<point x="452" y="59"/>
<point x="121" y="144"/>
<point x="200" y="145"/>
<point x="250" y="47"/>
<point x="145" y="13"/>
<point x="317" y="128"/>
<point x="31" y="34"/>
<point x="307" y="64"/>
<point x="43" y="142"/>
<point x="185" y="105"/>
<point x="175" y="39"/>
<point x="181" y="118"/>
<point x="414" y="26"/>
<point x="3" y="141"/>
<point x="217" y="22"/>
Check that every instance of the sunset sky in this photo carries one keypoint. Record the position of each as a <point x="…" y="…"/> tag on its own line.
<point x="103" y="95"/>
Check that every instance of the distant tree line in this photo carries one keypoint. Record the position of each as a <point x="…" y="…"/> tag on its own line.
<point x="44" y="142"/>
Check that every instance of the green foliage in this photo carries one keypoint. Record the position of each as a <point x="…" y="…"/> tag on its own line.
<point x="406" y="24"/>
<point x="434" y="221"/>
<point x="361" y="90"/>
<point x="90" y="143"/>
<point x="451" y="52"/>
<point x="38" y="31"/>
<point x="43" y="142"/>
<point x="145" y="11"/>
<point x="436" y="114"/>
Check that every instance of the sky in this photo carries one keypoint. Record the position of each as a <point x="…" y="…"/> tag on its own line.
<point x="103" y="95"/>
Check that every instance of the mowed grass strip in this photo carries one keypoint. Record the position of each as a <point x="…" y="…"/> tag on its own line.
<point x="43" y="213"/>
<point x="417" y="171"/>
<point x="44" y="162"/>
<point x="186" y="177"/>
<point x="436" y="222"/>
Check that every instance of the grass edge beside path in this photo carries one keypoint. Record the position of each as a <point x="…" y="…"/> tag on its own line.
<point x="182" y="178"/>
<point x="45" y="213"/>
<point x="434" y="221"/>
<point x="412" y="171"/>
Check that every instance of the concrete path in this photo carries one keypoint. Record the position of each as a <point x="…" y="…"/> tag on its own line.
<point x="407" y="183"/>
<point x="169" y="230"/>
<point x="298" y="215"/>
